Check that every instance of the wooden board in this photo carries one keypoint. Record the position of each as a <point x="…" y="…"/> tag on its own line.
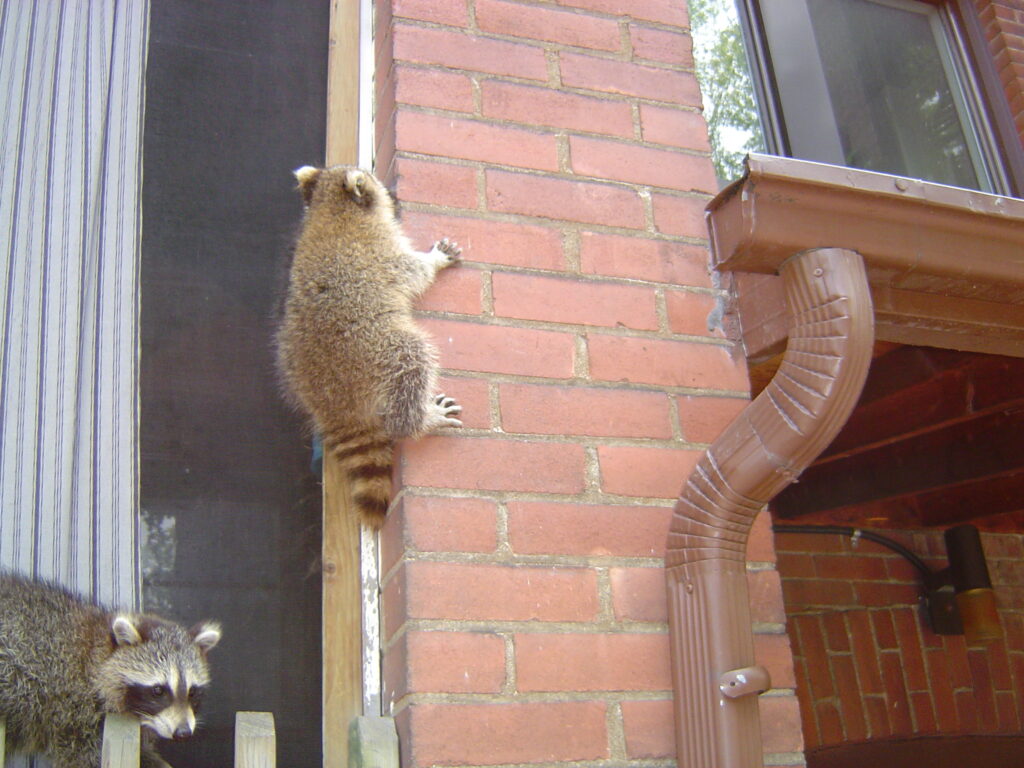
<point x="255" y="740"/>
<point x="121" y="742"/>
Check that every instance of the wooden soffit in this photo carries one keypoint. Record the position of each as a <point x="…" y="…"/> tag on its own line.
<point x="945" y="265"/>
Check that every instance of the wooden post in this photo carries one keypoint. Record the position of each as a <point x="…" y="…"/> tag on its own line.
<point x="255" y="740"/>
<point x="3" y="738"/>
<point x="121" y="742"/>
<point x="342" y="585"/>
<point x="373" y="743"/>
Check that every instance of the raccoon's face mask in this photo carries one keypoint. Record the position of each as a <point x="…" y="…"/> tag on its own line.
<point x="164" y="672"/>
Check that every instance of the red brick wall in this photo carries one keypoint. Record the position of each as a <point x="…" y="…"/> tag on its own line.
<point x="1003" y="22"/>
<point x="868" y="666"/>
<point x="524" y="609"/>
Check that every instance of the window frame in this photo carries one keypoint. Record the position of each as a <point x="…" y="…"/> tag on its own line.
<point x="982" y="88"/>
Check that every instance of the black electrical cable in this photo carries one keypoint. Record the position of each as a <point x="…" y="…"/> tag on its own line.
<point x="844" y="530"/>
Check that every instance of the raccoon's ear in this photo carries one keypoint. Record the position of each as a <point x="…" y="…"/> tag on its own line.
<point x="307" y="176"/>
<point x="205" y="634"/>
<point x="125" y="632"/>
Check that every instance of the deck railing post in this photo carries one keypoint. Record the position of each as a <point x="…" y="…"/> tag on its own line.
<point x="121" y="742"/>
<point x="255" y="740"/>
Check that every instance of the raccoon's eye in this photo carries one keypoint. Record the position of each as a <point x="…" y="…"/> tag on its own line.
<point x="156" y="691"/>
<point x="195" y="696"/>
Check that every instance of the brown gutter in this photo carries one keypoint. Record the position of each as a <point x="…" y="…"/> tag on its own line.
<point x="779" y="434"/>
<point x="935" y="265"/>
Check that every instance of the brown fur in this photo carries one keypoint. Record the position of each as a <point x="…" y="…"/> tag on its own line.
<point x="65" y="663"/>
<point x="349" y="352"/>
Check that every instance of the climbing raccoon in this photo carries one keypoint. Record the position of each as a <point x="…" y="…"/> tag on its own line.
<point x="348" y="350"/>
<point x="64" y="663"/>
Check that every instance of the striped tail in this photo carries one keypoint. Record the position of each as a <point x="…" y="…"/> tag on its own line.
<point x="367" y="461"/>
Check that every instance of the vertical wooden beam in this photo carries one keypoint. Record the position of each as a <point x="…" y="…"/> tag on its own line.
<point x="3" y="738"/>
<point x="343" y="83"/>
<point x="342" y="608"/>
<point x="255" y="740"/>
<point x="121" y="742"/>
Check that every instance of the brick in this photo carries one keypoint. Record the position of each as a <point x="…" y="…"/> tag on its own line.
<point x="959" y="668"/>
<point x="795" y="567"/>
<point x="474" y="397"/>
<point x="493" y="734"/>
<point x="621" y="161"/>
<point x="433" y="88"/>
<point x="462" y="592"/>
<point x="555" y="108"/>
<point x="438" y="183"/>
<point x="923" y="712"/>
<point x="765" y="589"/>
<point x="552" y="410"/>
<point x="455" y="290"/>
<point x="875" y="593"/>
<point x="854" y="721"/>
<point x="457" y="50"/>
<point x="639" y="594"/>
<point x="911" y="655"/>
<point x="812" y="645"/>
<point x="809" y="542"/>
<point x="864" y="652"/>
<point x="896" y="696"/>
<point x="676" y="127"/>
<point x="445" y="136"/>
<point x="494" y="465"/>
<point x="830" y="722"/>
<point x="661" y="261"/>
<point x="801" y="594"/>
<point x="702" y="419"/>
<point x="847" y="566"/>
<point x="760" y="544"/>
<point x="967" y="711"/>
<point x="451" y="12"/>
<point x="661" y="45"/>
<point x="984" y="697"/>
<point x="540" y="23"/>
<point x="628" y="79"/>
<point x="447" y="662"/>
<point x="775" y="654"/>
<point x="502" y="349"/>
<point x="836" y="635"/>
<point x="667" y="363"/>
<point x="664" y="11"/>
<point x="683" y="216"/>
<point x="550" y="528"/>
<point x="780" y="724"/>
<point x="649" y="729"/>
<point x="571" y="300"/>
<point x="878" y="716"/>
<point x="630" y="470"/>
<point x="592" y="662"/>
<point x="690" y="313"/>
<point x="489" y="241"/>
<point x="442" y="524"/>
<point x="885" y="629"/>
<point x="1006" y="705"/>
<point x="564" y="199"/>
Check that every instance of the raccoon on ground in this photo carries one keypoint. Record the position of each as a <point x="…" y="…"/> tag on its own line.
<point x="66" y="662"/>
<point x="348" y="351"/>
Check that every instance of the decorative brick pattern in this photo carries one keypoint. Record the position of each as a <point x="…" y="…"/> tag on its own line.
<point x="868" y="669"/>
<point x="1003" y="23"/>
<point x="561" y="143"/>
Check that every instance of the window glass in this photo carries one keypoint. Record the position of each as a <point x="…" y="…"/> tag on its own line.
<point x="877" y="85"/>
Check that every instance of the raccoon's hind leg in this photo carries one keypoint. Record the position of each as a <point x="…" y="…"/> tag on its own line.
<point x="408" y="407"/>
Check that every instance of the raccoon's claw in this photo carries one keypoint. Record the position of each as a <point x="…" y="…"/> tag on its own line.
<point x="443" y="411"/>
<point x="450" y="249"/>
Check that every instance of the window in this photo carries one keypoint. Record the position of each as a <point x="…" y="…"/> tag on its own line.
<point x="883" y="85"/>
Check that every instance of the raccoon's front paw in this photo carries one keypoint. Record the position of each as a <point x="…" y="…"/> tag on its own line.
<point x="442" y="412"/>
<point x="448" y="252"/>
<point x="355" y="182"/>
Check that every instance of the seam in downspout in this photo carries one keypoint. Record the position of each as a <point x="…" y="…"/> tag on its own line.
<point x="764" y="449"/>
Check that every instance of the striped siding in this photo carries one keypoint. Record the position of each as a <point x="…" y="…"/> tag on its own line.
<point x="71" y="105"/>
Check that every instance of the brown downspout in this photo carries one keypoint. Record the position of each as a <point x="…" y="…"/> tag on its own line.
<point x="764" y="449"/>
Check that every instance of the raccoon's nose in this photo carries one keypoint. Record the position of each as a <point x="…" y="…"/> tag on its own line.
<point x="182" y="732"/>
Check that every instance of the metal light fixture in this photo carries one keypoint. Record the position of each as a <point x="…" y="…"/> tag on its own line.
<point x="959" y="599"/>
